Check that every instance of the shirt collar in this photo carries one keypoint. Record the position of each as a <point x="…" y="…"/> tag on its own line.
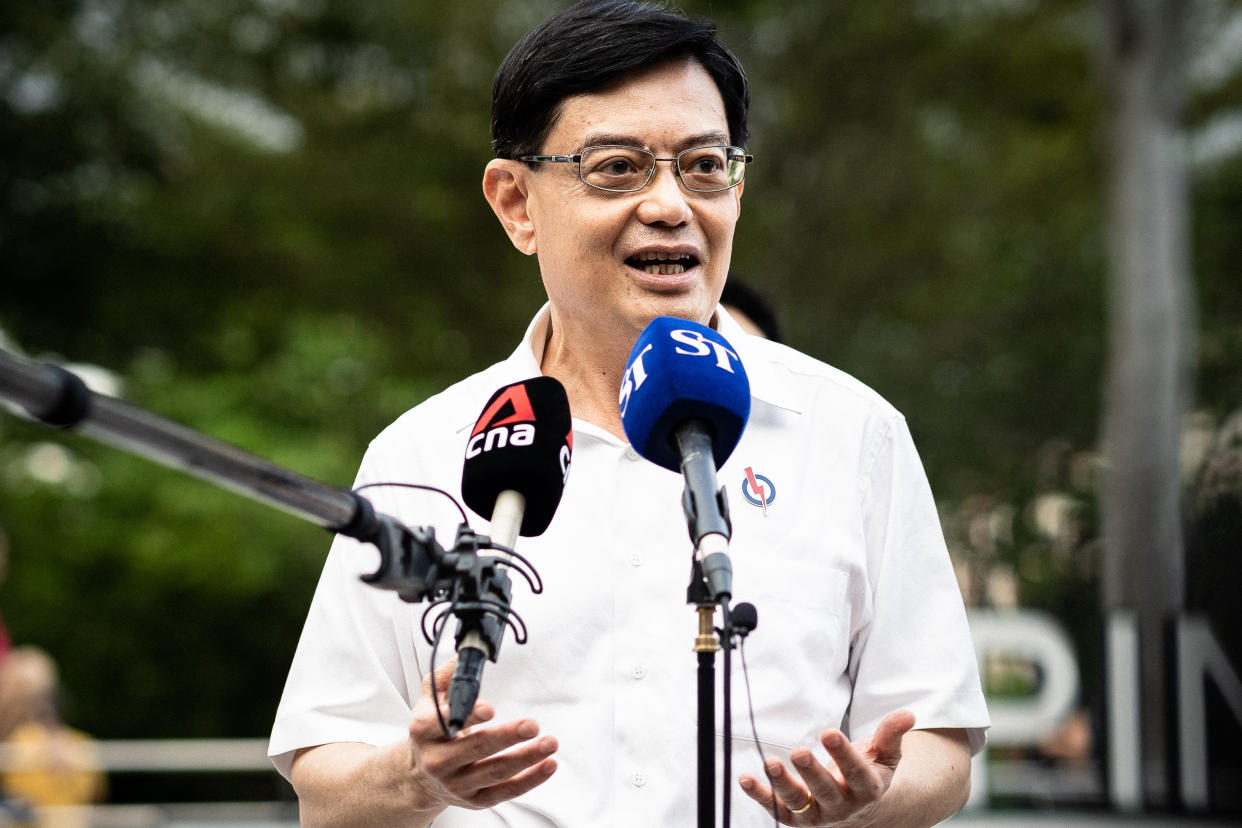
<point x="765" y="384"/>
<point x="756" y="354"/>
<point x="526" y="360"/>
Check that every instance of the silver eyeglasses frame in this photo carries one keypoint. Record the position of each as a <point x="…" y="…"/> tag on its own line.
<point x="731" y="152"/>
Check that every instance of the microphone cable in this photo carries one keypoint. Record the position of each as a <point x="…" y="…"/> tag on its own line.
<point x="461" y="511"/>
<point x="754" y="730"/>
<point x="726" y="639"/>
<point x="737" y="623"/>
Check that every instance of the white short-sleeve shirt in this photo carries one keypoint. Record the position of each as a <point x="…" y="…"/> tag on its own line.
<point x="836" y="541"/>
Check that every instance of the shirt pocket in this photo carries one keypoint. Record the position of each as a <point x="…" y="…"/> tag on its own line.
<point x="797" y="658"/>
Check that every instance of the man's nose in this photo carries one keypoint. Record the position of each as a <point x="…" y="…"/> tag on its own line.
<point x="664" y="199"/>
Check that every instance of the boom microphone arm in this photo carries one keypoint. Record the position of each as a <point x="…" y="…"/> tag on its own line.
<point x="411" y="561"/>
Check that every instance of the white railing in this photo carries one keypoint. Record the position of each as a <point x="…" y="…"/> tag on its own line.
<point x="177" y="756"/>
<point x="192" y="755"/>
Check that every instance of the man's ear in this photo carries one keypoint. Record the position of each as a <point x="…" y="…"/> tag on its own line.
<point x="505" y="188"/>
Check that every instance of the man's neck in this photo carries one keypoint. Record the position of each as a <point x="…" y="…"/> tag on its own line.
<point x="590" y="367"/>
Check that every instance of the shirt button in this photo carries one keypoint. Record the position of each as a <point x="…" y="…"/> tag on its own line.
<point x="639" y="779"/>
<point x="639" y="671"/>
<point x="636" y="559"/>
<point x="630" y="454"/>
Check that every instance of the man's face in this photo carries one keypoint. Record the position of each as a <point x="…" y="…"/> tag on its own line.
<point x="613" y="261"/>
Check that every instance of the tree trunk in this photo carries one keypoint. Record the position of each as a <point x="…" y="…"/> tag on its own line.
<point x="1148" y="381"/>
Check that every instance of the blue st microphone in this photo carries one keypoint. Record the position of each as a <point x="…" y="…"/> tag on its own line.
<point x="684" y="403"/>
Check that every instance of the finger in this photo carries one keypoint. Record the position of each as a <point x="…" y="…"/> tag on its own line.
<point x="790" y="793"/>
<point x="426" y="724"/>
<point x="886" y="744"/>
<point x="443" y="674"/>
<point x="823" y="785"/>
<point x="859" y="776"/>
<point x="515" y="786"/>
<point x="756" y="790"/>
<point x="426" y="727"/>
<point x="498" y="769"/>
<point x="482" y="712"/>
<point x="450" y="758"/>
<point x="435" y="689"/>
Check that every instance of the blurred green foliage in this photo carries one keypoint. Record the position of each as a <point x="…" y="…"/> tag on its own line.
<point x="266" y="219"/>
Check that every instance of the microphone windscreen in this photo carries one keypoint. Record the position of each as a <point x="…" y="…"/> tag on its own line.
<point x="680" y="370"/>
<point x="522" y="441"/>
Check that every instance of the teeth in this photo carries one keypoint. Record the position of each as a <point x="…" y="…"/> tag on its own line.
<point x="662" y="263"/>
<point x="664" y="269"/>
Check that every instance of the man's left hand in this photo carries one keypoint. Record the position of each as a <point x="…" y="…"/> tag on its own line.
<point x="852" y="785"/>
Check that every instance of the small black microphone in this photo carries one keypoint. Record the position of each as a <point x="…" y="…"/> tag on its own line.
<point x="743" y="618"/>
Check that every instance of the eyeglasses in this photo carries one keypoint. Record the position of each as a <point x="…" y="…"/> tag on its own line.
<point x="629" y="169"/>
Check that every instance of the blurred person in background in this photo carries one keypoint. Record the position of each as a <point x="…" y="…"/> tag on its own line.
<point x="43" y="762"/>
<point x="46" y="762"/>
<point x="750" y="309"/>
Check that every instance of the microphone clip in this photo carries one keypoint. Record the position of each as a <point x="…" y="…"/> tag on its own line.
<point x="700" y="521"/>
<point x="411" y="560"/>
<point x="706" y="508"/>
<point x="476" y="586"/>
<point x="482" y="590"/>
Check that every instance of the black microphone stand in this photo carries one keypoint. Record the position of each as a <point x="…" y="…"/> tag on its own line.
<point x="412" y="562"/>
<point x="707" y="515"/>
<point x="706" y="646"/>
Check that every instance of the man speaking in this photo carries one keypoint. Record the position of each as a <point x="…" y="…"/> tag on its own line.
<point x="619" y="130"/>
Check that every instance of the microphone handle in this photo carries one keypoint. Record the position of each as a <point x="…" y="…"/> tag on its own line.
<point x="473" y="652"/>
<point x="507" y="519"/>
<point x="707" y="512"/>
<point x="693" y="442"/>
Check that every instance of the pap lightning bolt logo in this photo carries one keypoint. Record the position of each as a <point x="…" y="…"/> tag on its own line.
<point x="758" y="489"/>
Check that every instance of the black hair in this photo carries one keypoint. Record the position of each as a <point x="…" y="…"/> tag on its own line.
<point x="592" y="44"/>
<point x="740" y="295"/>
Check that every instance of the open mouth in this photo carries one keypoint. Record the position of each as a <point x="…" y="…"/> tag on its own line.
<point x="662" y="264"/>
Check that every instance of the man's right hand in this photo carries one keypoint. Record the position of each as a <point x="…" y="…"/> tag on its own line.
<point x="411" y="782"/>
<point x="472" y="770"/>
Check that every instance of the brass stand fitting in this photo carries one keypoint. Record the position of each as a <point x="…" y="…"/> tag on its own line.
<point x="706" y="641"/>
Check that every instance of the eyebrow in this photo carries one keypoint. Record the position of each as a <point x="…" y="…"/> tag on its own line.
<point x="598" y="139"/>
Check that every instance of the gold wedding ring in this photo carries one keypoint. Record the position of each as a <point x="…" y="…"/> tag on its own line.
<point x="804" y="808"/>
